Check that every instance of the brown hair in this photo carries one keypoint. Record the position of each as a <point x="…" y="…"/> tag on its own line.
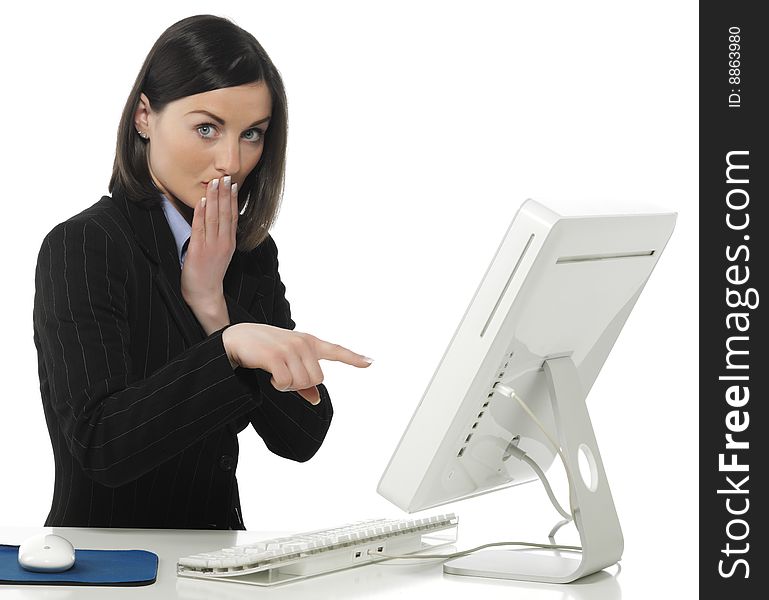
<point x="195" y="55"/>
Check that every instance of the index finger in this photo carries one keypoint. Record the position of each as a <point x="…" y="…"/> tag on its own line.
<point x="329" y="351"/>
<point x="225" y="206"/>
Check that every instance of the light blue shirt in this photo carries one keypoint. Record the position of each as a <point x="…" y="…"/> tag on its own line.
<point x="179" y="227"/>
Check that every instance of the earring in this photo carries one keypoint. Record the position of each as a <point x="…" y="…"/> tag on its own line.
<point x="142" y="134"/>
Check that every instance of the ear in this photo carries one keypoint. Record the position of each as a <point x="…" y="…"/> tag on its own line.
<point x="141" y="121"/>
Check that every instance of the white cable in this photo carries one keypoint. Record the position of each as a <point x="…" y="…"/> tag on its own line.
<point x="471" y="550"/>
<point x="556" y="527"/>
<point x="522" y="456"/>
<point x="541" y="474"/>
<point x="509" y="392"/>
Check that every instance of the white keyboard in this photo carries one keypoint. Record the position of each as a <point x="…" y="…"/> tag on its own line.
<point x="279" y="560"/>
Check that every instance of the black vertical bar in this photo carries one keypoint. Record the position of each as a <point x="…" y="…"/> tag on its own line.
<point x="733" y="250"/>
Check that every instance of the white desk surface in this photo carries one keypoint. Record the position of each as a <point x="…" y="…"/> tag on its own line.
<point x="398" y="578"/>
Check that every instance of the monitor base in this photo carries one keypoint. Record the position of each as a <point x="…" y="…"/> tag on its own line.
<point x="523" y="565"/>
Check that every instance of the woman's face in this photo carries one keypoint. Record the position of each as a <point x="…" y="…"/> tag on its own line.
<point x="188" y="147"/>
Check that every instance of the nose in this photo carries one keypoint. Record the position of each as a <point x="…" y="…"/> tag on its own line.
<point x="228" y="158"/>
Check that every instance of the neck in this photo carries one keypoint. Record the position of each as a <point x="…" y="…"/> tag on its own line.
<point x="183" y="209"/>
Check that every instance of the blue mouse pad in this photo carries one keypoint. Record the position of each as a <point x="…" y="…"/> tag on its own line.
<point x="92" y="567"/>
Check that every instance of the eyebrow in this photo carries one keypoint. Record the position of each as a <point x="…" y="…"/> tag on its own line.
<point x="221" y="121"/>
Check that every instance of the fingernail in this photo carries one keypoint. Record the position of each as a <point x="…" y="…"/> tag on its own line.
<point x="235" y="188"/>
<point x="227" y="180"/>
<point x="215" y="184"/>
<point x="203" y="202"/>
<point x="368" y="360"/>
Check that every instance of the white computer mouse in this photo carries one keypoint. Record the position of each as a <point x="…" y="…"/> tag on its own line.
<point x="46" y="553"/>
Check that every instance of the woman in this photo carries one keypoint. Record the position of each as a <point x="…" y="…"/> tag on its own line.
<point x="160" y="319"/>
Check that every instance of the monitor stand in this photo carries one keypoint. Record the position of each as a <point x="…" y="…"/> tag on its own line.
<point x="595" y="516"/>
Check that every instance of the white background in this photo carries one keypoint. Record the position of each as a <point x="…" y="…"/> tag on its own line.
<point x="415" y="131"/>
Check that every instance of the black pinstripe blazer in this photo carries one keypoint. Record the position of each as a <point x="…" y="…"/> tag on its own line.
<point x="143" y="408"/>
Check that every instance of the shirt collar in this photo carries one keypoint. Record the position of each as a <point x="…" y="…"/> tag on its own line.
<point x="179" y="227"/>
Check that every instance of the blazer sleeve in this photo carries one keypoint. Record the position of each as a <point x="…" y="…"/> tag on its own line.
<point x="290" y="426"/>
<point x="118" y="428"/>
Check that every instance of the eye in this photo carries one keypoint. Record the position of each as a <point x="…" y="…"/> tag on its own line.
<point x="203" y="127"/>
<point x="254" y="139"/>
<point x="258" y="135"/>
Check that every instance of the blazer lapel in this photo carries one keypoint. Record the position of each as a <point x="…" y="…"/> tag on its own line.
<point x="153" y="234"/>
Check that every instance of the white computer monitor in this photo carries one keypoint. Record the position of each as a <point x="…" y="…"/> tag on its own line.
<point x="542" y="322"/>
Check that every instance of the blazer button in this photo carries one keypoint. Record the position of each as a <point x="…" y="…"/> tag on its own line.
<point x="226" y="463"/>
